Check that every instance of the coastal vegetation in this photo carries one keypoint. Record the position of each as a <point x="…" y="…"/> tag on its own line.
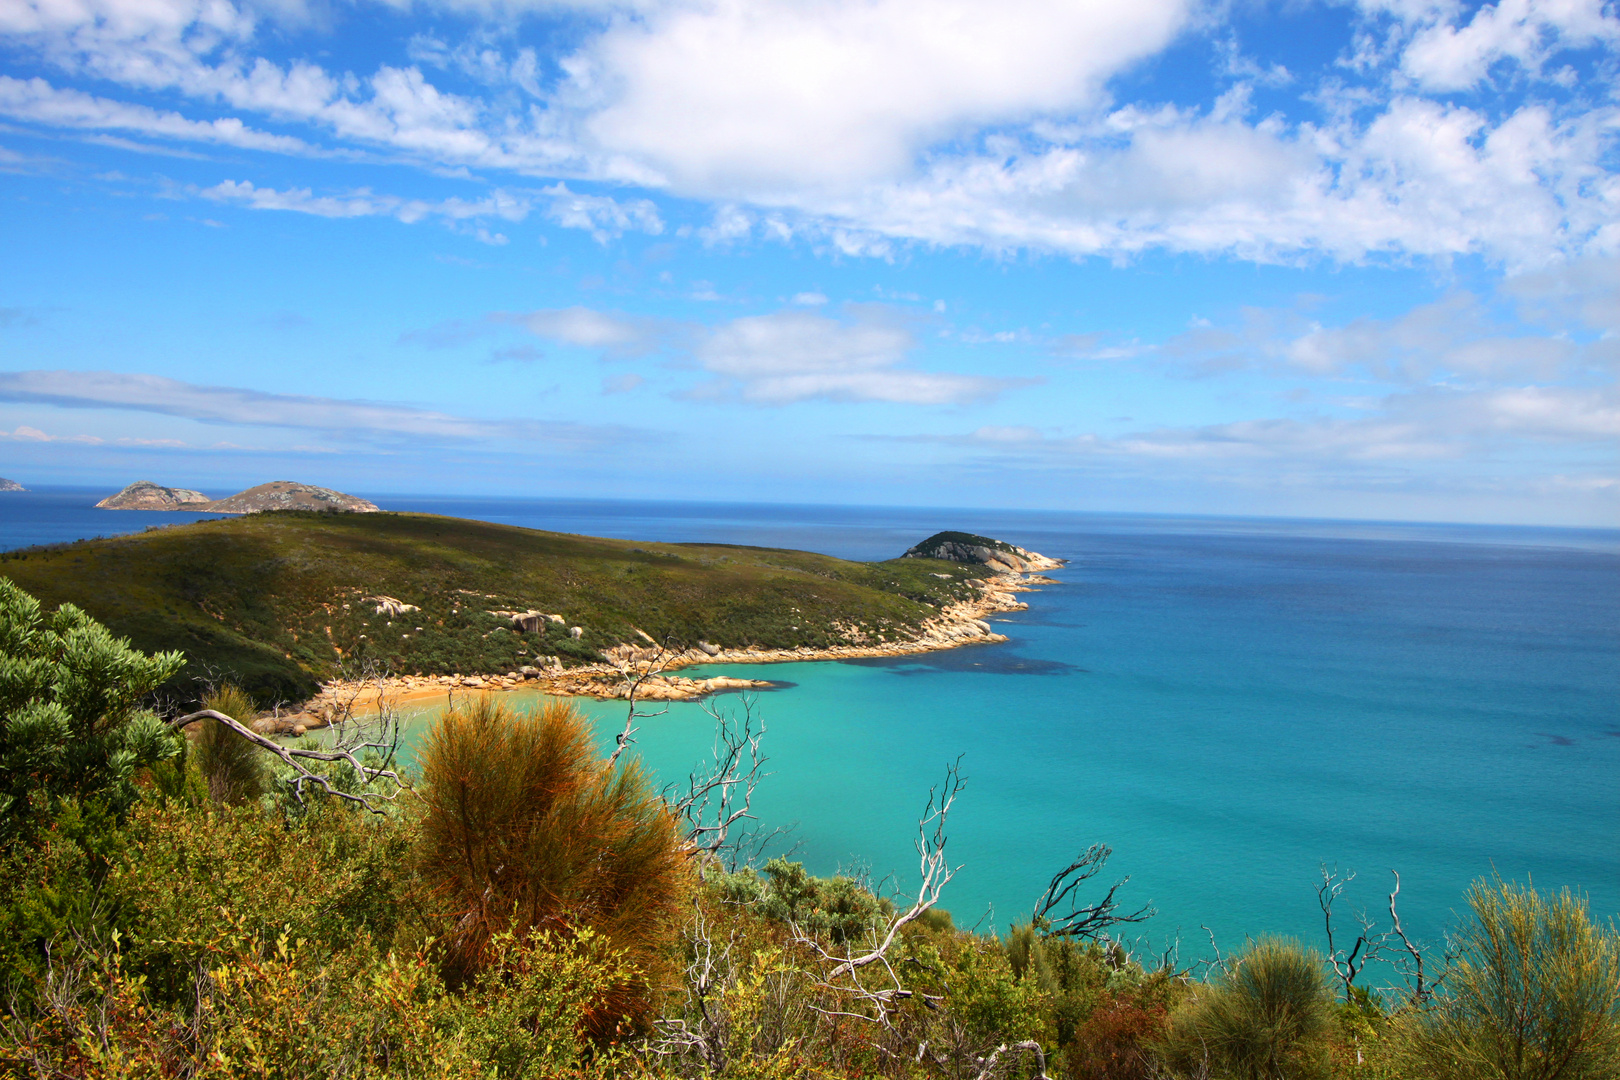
<point x="276" y="602"/>
<point x="518" y="907"/>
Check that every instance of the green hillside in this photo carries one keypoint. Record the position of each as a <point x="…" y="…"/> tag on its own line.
<point x="274" y="600"/>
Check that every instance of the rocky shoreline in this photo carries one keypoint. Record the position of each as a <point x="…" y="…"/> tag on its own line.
<point x="647" y="671"/>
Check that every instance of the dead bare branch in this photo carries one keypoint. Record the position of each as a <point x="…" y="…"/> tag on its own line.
<point x="645" y="670"/>
<point x="343" y="750"/>
<point x="1412" y="969"/>
<point x="719" y="796"/>
<point x="1093" y="919"/>
<point x="1028" y="1046"/>
<point x="1368" y="945"/>
<point x="936" y="873"/>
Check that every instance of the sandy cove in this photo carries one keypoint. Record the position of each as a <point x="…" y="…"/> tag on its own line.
<point x="956" y="625"/>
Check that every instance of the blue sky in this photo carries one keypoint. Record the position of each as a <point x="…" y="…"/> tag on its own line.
<point x="1345" y="259"/>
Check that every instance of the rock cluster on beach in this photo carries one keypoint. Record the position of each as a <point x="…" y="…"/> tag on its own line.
<point x="276" y="495"/>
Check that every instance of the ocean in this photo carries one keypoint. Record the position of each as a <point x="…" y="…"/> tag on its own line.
<point x="1229" y="704"/>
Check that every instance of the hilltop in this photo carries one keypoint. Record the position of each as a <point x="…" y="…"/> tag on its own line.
<point x="999" y="555"/>
<point x="276" y="495"/>
<point x="281" y="601"/>
<point x="145" y="495"/>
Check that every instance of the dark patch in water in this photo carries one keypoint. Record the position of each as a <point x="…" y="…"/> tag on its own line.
<point x="775" y="685"/>
<point x="1557" y="740"/>
<point x="1616" y="734"/>
<point x="968" y="660"/>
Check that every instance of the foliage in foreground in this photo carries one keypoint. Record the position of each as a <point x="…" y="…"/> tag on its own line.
<point x="1534" y="995"/>
<point x="523" y="826"/>
<point x="533" y="912"/>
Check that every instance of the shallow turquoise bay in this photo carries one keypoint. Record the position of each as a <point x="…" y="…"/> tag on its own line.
<point x="1229" y="705"/>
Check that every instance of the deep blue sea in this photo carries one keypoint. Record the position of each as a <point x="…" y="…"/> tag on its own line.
<point x="1229" y="703"/>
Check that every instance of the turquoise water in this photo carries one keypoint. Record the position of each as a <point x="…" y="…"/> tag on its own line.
<point x="1229" y="706"/>
<point x="1228" y="703"/>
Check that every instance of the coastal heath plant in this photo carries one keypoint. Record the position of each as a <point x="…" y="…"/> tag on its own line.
<point x="1533" y="995"/>
<point x="71" y="726"/>
<point x="527" y="830"/>
<point x="1270" y="1016"/>
<point x="235" y="769"/>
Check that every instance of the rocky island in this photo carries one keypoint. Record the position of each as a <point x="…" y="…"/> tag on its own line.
<point x="276" y="495"/>
<point x="10" y="485"/>
<point x="145" y="495"/>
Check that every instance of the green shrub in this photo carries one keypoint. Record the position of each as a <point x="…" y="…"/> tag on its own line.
<point x="234" y="769"/>
<point x="1534" y="995"/>
<point x="1271" y="1016"/>
<point x="70" y="725"/>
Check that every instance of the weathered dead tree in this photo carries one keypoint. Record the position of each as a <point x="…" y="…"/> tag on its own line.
<point x="1089" y="921"/>
<point x="718" y="798"/>
<point x="1410" y="966"/>
<point x="367" y="747"/>
<point x="1369" y="943"/>
<point x="704" y="1031"/>
<point x="867" y="981"/>
<point x="1028" y="1046"/>
<point x="1391" y="948"/>
<point x="644" y="671"/>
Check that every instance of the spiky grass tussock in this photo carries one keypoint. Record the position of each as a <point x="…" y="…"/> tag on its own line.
<point x="233" y="768"/>
<point x="1270" y="1016"/>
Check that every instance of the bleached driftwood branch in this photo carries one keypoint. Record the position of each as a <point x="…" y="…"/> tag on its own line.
<point x="295" y="757"/>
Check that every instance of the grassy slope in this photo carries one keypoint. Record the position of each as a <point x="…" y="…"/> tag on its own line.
<point x="273" y="600"/>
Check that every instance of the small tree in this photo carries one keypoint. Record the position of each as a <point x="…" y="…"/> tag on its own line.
<point x="70" y="722"/>
<point x="526" y="830"/>
<point x="1533" y="995"/>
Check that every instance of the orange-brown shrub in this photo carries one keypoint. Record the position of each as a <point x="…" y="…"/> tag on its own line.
<point x="1114" y="1041"/>
<point x="527" y="830"/>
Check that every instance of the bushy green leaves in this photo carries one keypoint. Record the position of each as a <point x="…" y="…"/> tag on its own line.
<point x="70" y="726"/>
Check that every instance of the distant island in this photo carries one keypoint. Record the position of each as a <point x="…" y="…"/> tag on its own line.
<point x="10" y="485"/>
<point x="294" y="606"/>
<point x="968" y="548"/>
<point x="276" y="495"/>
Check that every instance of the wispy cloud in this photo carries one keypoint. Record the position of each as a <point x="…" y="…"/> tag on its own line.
<point x="376" y="421"/>
<point x="777" y="359"/>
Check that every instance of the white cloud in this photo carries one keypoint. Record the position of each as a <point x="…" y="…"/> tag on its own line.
<point x="797" y="356"/>
<point x="37" y="101"/>
<point x="775" y="359"/>
<point x="365" y="203"/>
<point x="234" y="405"/>
<point x="611" y="332"/>
<point x="603" y="217"/>
<point x="1443" y="56"/>
<point x="1477" y="432"/>
<point x="751" y="97"/>
<point x="1454" y="338"/>
<point x="26" y="434"/>
<point x="861" y="125"/>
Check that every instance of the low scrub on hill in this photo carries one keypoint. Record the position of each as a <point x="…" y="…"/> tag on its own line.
<point x="524" y="908"/>
<point x="277" y="601"/>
